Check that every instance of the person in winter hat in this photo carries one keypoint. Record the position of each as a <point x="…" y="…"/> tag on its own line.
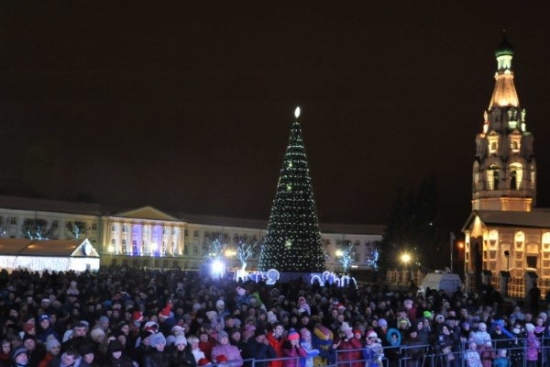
<point x="293" y="349"/>
<point x="305" y="342"/>
<point x="116" y="356"/>
<point x="180" y="354"/>
<point x="322" y="339"/>
<point x="349" y="347"/>
<point x="198" y="354"/>
<point x="232" y="353"/>
<point x="155" y="356"/>
<point x="373" y="352"/>
<point x="20" y="357"/>
<point x="53" y="348"/>
<point x="256" y="348"/>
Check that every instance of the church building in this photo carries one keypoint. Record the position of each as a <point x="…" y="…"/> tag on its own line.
<point x="505" y="231"/>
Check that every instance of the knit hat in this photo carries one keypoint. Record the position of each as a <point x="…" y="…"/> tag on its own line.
<point x="293" y="335"/>
<point x="137" y="316"/>
<point x="371" y="334"/>
<point x="157" y="340"/>
<point x="52" y="343"/>
<point x="170" y="339"/>
<point x="529" y="327"/>
<point x="382" y="322"/>
<point x="259" y="331"/>
<point x="115" y="346"/>
<point x="19" y="351"/>
<point x="96" y="334"/>
<point x="177" y="330"/>
<point x="220" y="303"/>
<point x="103" y="319"/>
<point x="221" y="335"/>
<point x="345" y="327"/>
<point x="428" y="315"/>
<point x="323" y="332"/>
<point x="304" y="332"/>
<point x="180" y="339"/>
<point x="165" y="313"/>
<point x="44" y="317"/>
<point x="28" y="327"/>
<point x="271" y="317"/>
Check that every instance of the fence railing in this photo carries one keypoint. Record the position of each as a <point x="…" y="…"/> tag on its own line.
<point x="517" y="353"/>
<point x="508" y="286"/>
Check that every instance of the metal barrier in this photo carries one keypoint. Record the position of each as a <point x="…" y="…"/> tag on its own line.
<point x="518" y="354"/>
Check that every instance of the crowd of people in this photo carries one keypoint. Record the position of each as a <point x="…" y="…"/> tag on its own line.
<point x="127" y="317"/>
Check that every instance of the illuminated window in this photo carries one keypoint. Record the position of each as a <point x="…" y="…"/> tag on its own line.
<point x="94" y="226"/>
<point x="13" y="220"/>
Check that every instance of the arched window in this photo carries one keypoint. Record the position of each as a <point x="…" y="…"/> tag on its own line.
<point x="516" y="176"/>
<point x="493" y="177"/>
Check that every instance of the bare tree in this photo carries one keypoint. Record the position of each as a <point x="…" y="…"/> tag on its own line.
<point x="244" y="252"/>
<point x="38" y="229"/>
<point x="217" y="247"/>
<point x="346" y="259"/>
<point x="76" y="229"/>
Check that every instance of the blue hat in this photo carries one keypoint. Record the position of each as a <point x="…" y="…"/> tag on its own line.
<point x="19" y="351"/>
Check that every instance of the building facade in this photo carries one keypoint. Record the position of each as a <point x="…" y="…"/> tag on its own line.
<point x="505" y="231"/>
<point x="148" y="237"/>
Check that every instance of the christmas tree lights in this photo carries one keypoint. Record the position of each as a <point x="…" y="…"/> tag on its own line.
<point x="293" y="240"/>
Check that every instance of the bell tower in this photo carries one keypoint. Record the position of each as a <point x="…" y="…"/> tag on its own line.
<point x="504" y="170"/>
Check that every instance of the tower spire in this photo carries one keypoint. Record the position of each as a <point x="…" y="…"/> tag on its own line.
<point x="504" y="172"/>
<point x="504" y="94"/>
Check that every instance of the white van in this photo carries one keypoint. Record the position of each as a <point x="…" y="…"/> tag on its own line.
<point x="449" y="282"/>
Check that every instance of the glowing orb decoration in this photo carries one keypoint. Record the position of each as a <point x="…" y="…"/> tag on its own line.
<point x="297" y="112"/>
<point x="272" y="276"/>
<point x="218" y="268"/>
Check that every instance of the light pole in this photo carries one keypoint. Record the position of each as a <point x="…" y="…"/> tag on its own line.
<point x="406" y="258"/>
<point x="111" y="249"/>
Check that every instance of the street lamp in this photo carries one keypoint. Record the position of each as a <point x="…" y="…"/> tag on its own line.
<point x="406" y="258"/>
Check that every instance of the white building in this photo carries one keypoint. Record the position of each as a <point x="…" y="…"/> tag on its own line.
<point x="149" y="237"/>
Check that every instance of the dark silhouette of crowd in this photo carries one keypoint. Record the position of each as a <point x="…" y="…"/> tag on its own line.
<point x="128" y="317"/>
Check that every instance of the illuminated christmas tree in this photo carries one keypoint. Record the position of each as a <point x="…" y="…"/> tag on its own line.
<point x="293" y="240"/>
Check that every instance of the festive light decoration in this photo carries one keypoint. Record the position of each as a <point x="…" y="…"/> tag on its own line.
<point x="49" y="263"/>
<point x="293" y="240"/>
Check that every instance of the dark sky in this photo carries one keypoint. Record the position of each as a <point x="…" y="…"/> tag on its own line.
<point x="187" y="105"/>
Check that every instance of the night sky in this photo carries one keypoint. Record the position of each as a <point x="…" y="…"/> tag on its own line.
<point x="187" y="105"/>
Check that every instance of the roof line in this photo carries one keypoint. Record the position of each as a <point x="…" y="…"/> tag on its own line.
<point x="25" y="247"/>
